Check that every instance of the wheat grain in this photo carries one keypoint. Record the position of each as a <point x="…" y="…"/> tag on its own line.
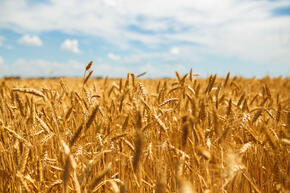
<point x="30" y="91"/>
<point x="89" y="65"/>
<point x="87" y="77"/>
<point x="168" y="101"/>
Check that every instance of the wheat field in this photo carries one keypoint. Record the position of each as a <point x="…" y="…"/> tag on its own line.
<point x="185" y="134"/>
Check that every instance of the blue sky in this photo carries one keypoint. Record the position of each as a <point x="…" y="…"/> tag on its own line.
<point x="58" y="38"/>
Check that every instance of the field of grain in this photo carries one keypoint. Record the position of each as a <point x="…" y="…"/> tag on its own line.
<point x="186" y="135"/>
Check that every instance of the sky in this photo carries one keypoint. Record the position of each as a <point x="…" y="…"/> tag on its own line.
<point x="44" y="38"/>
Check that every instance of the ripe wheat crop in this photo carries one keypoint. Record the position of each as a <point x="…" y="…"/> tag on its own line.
<point x="184" y="135"/>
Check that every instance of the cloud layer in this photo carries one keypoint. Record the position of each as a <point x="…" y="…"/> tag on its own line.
<point x="164" y="31"/>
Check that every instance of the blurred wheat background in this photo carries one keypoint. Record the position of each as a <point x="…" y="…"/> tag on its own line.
<point x="182" y="135"/>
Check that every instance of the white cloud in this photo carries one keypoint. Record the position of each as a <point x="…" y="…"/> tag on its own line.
<point x="174" y="50"/>
<point x="70" y="46"/>
<point x="30" y="40"/>
<point x="1" y="60"/>
<point x="113" y="56"/>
